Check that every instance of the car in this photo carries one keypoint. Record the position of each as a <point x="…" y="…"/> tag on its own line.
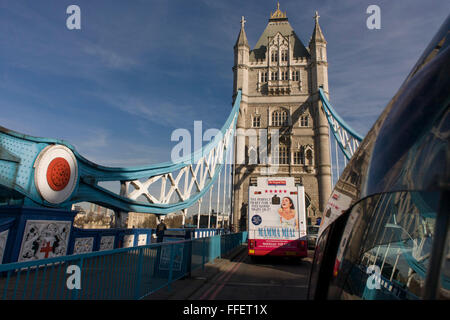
<point x="385" y="231"/>
<point x="312" y="236"/>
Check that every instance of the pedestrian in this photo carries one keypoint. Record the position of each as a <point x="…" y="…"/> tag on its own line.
<point x="160" y="230"/>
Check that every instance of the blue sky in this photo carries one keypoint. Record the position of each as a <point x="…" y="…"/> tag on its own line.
<point x="137" y="70"/>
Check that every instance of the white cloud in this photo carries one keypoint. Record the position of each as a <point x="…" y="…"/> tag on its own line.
<point x="110" y="58"/>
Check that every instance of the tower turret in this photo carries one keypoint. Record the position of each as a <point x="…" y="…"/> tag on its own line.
<point x="240" y="70"/>
<point x="319" y="77"/>
<point x="240" y="77"/>
<point x="241" y="57"/>
<point x="318" y="51"/>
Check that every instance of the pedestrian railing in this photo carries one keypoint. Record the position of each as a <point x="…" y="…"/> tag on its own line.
<point x="126" y="273"/>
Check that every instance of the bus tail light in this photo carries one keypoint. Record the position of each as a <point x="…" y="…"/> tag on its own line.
<point x="301" y="244"/>
<point x="336" y="268"/>
<point x="252" y="244"/>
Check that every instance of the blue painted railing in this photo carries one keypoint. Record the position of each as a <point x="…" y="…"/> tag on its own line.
<point x="127" y="273"/>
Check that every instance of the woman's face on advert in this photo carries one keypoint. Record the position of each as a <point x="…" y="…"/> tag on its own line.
<point x="285" y="203"/>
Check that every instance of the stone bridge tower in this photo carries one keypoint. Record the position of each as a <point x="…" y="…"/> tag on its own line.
<point x="280" y="79"/>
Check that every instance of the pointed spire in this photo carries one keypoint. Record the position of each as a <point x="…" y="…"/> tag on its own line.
<point x="317" y="35"/>
<point x="242" y="38"/>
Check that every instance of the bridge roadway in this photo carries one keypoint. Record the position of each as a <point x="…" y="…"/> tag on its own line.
<point x="236" y="277"/>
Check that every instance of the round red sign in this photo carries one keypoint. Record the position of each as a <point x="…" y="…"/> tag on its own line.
<point x="58" y="174"/>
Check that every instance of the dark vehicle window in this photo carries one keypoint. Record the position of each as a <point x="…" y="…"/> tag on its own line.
<point x="385" y="248"/>
<point x="318" y="257"/>
<point x="323" y="262"/>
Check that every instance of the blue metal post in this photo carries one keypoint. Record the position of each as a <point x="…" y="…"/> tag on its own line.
<point x="26" y="283"/>
<point x="43" y="282"/>
<point x="172" y="256"/>
<point x="138" y="276"/>
<point x="75" y="291"/>
<point x="203" y="254"/>
<point x="6" y="284"/>
<point x="17" y="282"/>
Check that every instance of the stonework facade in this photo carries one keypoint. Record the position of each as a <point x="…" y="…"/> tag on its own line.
<point x="279" y="79"/>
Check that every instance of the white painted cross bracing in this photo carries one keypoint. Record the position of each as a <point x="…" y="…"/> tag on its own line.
<point x="196" y="175"/>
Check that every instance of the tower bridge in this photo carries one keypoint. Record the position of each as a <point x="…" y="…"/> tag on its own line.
<point x="284" y="88"/>
<point x="280" y="92"/>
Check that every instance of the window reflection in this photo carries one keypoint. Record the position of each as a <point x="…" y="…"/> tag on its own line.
<point x="394" y="232"/>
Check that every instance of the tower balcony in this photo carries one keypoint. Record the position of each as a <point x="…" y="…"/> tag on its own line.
<point x="276" y="87"/>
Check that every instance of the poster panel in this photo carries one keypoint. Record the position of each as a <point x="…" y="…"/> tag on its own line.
<point x="276" y="214"/>
<point x="337" y="204"/>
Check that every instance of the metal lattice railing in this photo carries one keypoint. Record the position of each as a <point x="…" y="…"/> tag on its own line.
<point x="127" y="273"/>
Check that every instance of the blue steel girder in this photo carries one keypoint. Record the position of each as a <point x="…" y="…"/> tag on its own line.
<point x="21" y="157"/>
<point x="347" y="139"/>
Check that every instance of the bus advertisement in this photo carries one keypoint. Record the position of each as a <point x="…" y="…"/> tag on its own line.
<point x="277" y="218"/>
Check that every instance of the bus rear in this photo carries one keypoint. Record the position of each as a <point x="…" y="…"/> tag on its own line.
<point x="277" y="218"/>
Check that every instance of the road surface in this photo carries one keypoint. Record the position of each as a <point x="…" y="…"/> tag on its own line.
<point x="269" y="278"/>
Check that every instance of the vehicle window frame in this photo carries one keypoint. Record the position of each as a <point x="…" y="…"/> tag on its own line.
<point x="433" y="279"/>
<point x="324" y="268"/>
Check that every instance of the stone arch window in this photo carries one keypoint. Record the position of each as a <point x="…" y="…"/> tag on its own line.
<point x="274" y="56"/>
<point x="263" y="76"/>
<point x="309" y="157"/>
<point x="304" y="121"/>
<point x="280" y="118"/>
<point x="283" y="154"/>
<point x="274" y="75"/>
<point x="284" y="55"/>
<point x="256" y="121"/>
<point x="299" y="156"/>
<point x="276" y="118"/>
<point x="284" y="118"/>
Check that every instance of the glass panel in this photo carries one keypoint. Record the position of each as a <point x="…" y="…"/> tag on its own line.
<point x="385" y="249"/>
